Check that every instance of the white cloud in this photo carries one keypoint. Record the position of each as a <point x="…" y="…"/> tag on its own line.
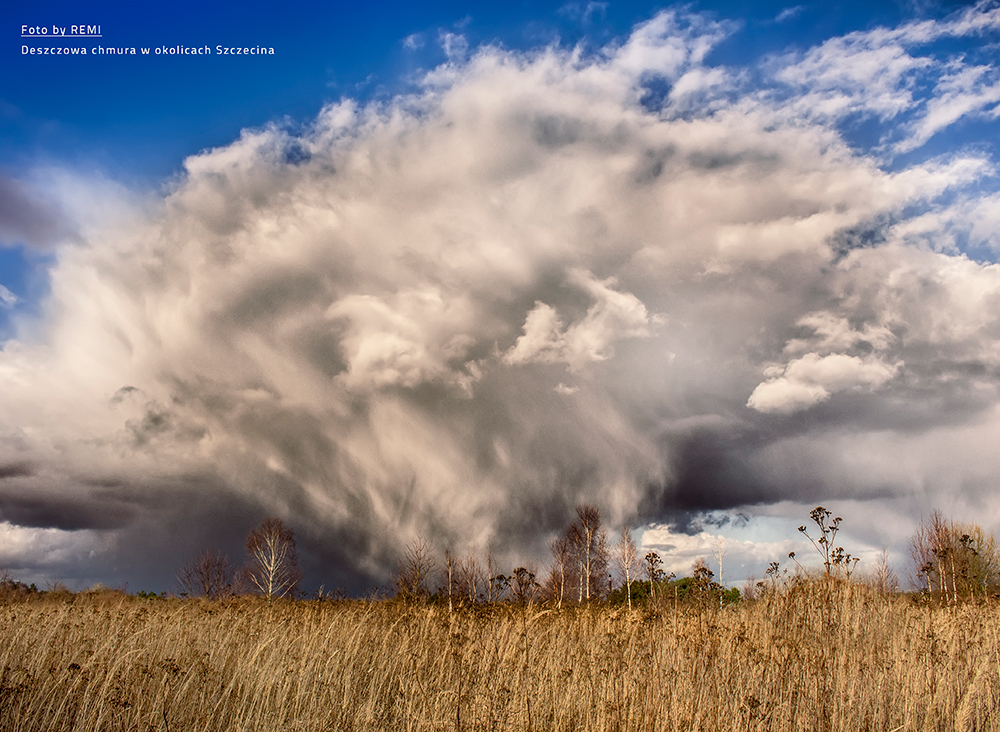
<point x="583" y="13"/>
<point x="784" y="396"/>
<point x="860" y="71"/>
<point x="833" y="332"/>
<point x="405" y="342"/>
<point x="454" y="45"/>
<point x="880" y="72"/>
<point x="615" y="315"/>
<point x="968" y="91"/>
<point x="7" y="298"/>
<point x="668" y="44"/>
<point x="812" y="379"/>
<point x="38" y="555"/>
<point x="789" y="13"/>
<point x="414" y="41"/>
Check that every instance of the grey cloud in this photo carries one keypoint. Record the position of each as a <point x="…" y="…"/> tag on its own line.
<point x="36" y="507"/>
<point x="119" y="396"/>
<point x="28" y="218"/>
<point x="16" y="470"/>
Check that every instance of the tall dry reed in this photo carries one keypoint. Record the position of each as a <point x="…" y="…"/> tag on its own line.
<point x="819" y="657"/>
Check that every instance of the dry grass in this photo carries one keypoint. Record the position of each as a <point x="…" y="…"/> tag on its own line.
<point x="814" y="658"/>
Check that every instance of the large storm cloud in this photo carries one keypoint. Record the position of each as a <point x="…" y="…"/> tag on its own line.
<point x="624" y="277"/>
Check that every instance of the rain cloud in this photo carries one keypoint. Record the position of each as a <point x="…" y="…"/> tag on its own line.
<point x="528" y="284"/>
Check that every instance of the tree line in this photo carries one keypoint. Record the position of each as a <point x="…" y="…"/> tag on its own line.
<point x="583" y="568"/>
<point x="951" y="562"/>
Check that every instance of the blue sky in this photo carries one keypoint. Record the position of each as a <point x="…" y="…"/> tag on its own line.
<point x="451" y="269"/>
<point x="139" y="117"/>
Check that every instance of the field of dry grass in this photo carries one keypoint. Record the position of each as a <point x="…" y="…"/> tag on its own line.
<point x="813" y="658"/>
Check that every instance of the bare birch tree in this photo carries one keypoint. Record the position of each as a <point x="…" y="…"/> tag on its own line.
<point x="588" y="538"/>
<point x="882" y="576"/>
<point x="449" y="565"/>
<point x="561" y="558"/>
<point x="470" y="579"/>
<point x="272" y="560"/>
<point x="627" y="557"/>
<point x="719" y="551"/>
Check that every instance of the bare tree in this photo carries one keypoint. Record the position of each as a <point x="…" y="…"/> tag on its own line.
<point x="719" y="551"/>
<point x="653" y="571"/>
<point x="210" y="575"/>
<point x="449" y="564"/>
<point x="490" y="568"/>
<point x="882" y="576"/>
<point x="588" y="540"/>
<point x="561" y="559"/>
<point x="600" y="565"/>
<point x="469" y="573"/>
<point x="414" y="570"/>
<point x="272" y="560"/>
<point x="954" y="560"/>
<point x="627" y="557"/>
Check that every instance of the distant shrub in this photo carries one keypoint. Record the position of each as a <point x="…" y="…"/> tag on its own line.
<point x="682" y="589"/>
<point x="11" y="589"/>
<point x="144" y="595"/>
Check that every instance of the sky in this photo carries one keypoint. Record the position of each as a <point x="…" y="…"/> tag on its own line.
<point x="447" y="271"/>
